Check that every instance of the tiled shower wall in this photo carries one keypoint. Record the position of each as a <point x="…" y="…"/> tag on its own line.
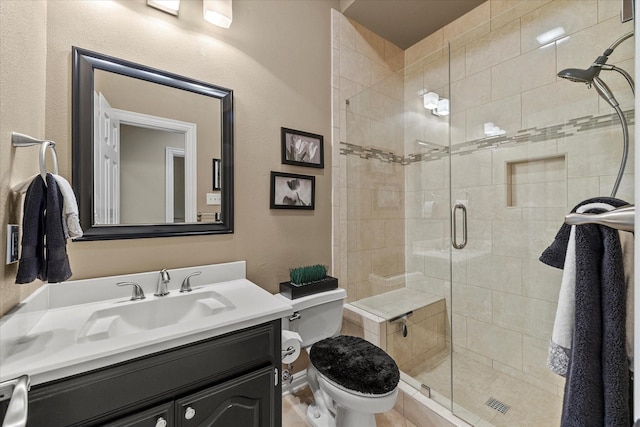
<point x="372" y="191"/>
<point x="561" y="146"/>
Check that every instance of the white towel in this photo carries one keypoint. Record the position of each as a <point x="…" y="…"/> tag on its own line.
<point x="627" y="242"/>
<point x="562" y="335"/>
<point x="70" y="208"/>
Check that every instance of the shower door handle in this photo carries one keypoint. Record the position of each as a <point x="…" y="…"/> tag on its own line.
<point x="454" y="231"/>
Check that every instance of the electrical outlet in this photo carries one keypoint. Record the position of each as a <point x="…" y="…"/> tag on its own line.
<point x="12" y="243"/>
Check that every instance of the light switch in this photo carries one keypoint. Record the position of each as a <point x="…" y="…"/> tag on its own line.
<point x="214" y="199"/>
<point x="12" y="243"/>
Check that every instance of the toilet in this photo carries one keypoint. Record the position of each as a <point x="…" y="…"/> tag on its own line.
<point x="351" y="379"/>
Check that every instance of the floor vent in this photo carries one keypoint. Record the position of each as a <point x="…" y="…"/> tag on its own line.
<point x="497" y="405"/>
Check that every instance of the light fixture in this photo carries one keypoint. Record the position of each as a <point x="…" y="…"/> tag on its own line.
<point x="443" y="108"/>
<point x="169" y="6"/>
<point x="430" y="100"/>
<point x="491" y="129"/>
<point x="218" y="12"/>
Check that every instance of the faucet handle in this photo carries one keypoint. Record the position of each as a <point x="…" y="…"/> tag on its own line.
<point x="137" y="294"/>
<point x="186" y="283"/>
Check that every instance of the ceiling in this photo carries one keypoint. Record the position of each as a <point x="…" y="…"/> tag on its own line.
<point x="406" y="22"/>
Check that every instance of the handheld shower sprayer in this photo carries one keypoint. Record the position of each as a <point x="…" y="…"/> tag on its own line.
<point x="604" y="91"/>
<point x="587" y="76"/>
<point x="590" y="77"/>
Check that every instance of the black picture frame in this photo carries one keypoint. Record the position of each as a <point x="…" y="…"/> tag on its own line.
<point x="84" y="64"/>
<point x="292" y="191"/>
<point x="302" y="148"/>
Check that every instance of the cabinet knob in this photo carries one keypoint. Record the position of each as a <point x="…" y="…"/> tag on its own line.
<point x="189" y="413"/>
<point x="161" y="422"/>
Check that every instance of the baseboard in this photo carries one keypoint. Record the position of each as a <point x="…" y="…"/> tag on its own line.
<point x="299" y="381"/>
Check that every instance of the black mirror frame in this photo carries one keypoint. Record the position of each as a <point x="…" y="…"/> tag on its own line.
<point x="84" y="64"/>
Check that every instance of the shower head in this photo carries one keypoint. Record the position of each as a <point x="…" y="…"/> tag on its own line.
<point x="590" y="77"/>
<point x="580" y="76"/>
<point x="587" y="76"/>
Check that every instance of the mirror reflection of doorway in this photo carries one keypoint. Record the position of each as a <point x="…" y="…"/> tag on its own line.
<point x="143" y="182"/>
<point x="143" y="173"/>
<point x="174" y="185"/>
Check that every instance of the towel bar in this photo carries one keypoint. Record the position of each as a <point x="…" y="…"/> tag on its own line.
<point x="622" y="218"/>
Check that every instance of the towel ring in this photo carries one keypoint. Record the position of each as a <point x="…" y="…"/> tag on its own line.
<point x="22" y="140"/>
<point x="43" y="154"/>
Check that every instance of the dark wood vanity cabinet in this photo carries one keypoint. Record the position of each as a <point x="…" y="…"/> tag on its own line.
<point x="230" y="381"/>
<point x="242" y="402"/>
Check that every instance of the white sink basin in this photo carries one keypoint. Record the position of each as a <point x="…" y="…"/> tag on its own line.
<point x="73" y="327"/>
<point x="139" y="316"/>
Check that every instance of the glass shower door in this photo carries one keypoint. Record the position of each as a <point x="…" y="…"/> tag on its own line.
<point x="526" y="147"/>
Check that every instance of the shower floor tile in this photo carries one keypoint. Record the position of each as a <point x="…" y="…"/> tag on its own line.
<point x="475" y="383"/>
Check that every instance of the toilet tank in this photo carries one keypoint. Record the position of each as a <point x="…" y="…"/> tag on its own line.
<point x="320" y="315"/>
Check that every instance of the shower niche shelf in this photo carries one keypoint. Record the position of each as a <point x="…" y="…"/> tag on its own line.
<point x="539" y="182"/>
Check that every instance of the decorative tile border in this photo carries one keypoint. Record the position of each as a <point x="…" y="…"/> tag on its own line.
<point x="369" y="153"/>
<point x="569" y="128"/>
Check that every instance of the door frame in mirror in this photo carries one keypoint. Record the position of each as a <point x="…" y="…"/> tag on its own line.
<point x="84" y="64"/>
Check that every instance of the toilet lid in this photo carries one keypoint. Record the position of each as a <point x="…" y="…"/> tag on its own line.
<point x="355" y="364"/>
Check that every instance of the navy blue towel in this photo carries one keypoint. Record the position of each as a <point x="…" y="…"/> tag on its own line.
<point x="596" y="391"/>
<point x="44" y="245"/>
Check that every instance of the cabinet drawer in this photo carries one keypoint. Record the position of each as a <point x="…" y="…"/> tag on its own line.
<point x="102" y="394"/>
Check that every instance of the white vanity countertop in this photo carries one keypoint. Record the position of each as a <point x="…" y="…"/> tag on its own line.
<point x="43" y="338"/>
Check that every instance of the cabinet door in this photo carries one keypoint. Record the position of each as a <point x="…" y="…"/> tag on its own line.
<point x="159" y="416"/>
<point x="244" y="402"/>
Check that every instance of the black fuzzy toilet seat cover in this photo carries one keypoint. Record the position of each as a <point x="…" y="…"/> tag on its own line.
<point x="355" y="364"/>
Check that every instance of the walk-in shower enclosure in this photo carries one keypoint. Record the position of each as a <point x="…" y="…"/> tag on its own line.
<point x="518" y="149"/>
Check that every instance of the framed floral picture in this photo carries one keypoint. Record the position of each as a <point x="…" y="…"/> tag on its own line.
<point x="302" y="148"/>
<point x="292" y="191"/>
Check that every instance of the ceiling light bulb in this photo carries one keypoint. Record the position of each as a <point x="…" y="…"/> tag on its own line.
<point x="218" y="12"/>
<point x="430" y="100"/>
<point x="169" y="6"/>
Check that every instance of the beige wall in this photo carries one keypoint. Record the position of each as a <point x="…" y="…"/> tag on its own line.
<point x="22" y="109"/>
<point x="276" y="57"/>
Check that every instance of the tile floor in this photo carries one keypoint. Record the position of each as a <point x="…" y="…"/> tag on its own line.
<point x="475" y="383"/>
<point x="294" y="410"/>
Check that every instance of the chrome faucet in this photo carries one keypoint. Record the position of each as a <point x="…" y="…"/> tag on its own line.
<point x="163" y="281"/>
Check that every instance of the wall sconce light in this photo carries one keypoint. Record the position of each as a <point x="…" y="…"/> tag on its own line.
<point x="168" y="6"/>
<point x="431" y="100"/>
<point x="443" y="108"/>
<point x="492" y="130"/>
<point x="218" y="12"/>
<point x="438" y="106"/>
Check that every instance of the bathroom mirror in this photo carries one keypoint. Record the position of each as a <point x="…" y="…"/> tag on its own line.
<point x="152" y="151"/>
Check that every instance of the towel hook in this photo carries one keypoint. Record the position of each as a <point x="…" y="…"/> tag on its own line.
<point x="22" y="140"/>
